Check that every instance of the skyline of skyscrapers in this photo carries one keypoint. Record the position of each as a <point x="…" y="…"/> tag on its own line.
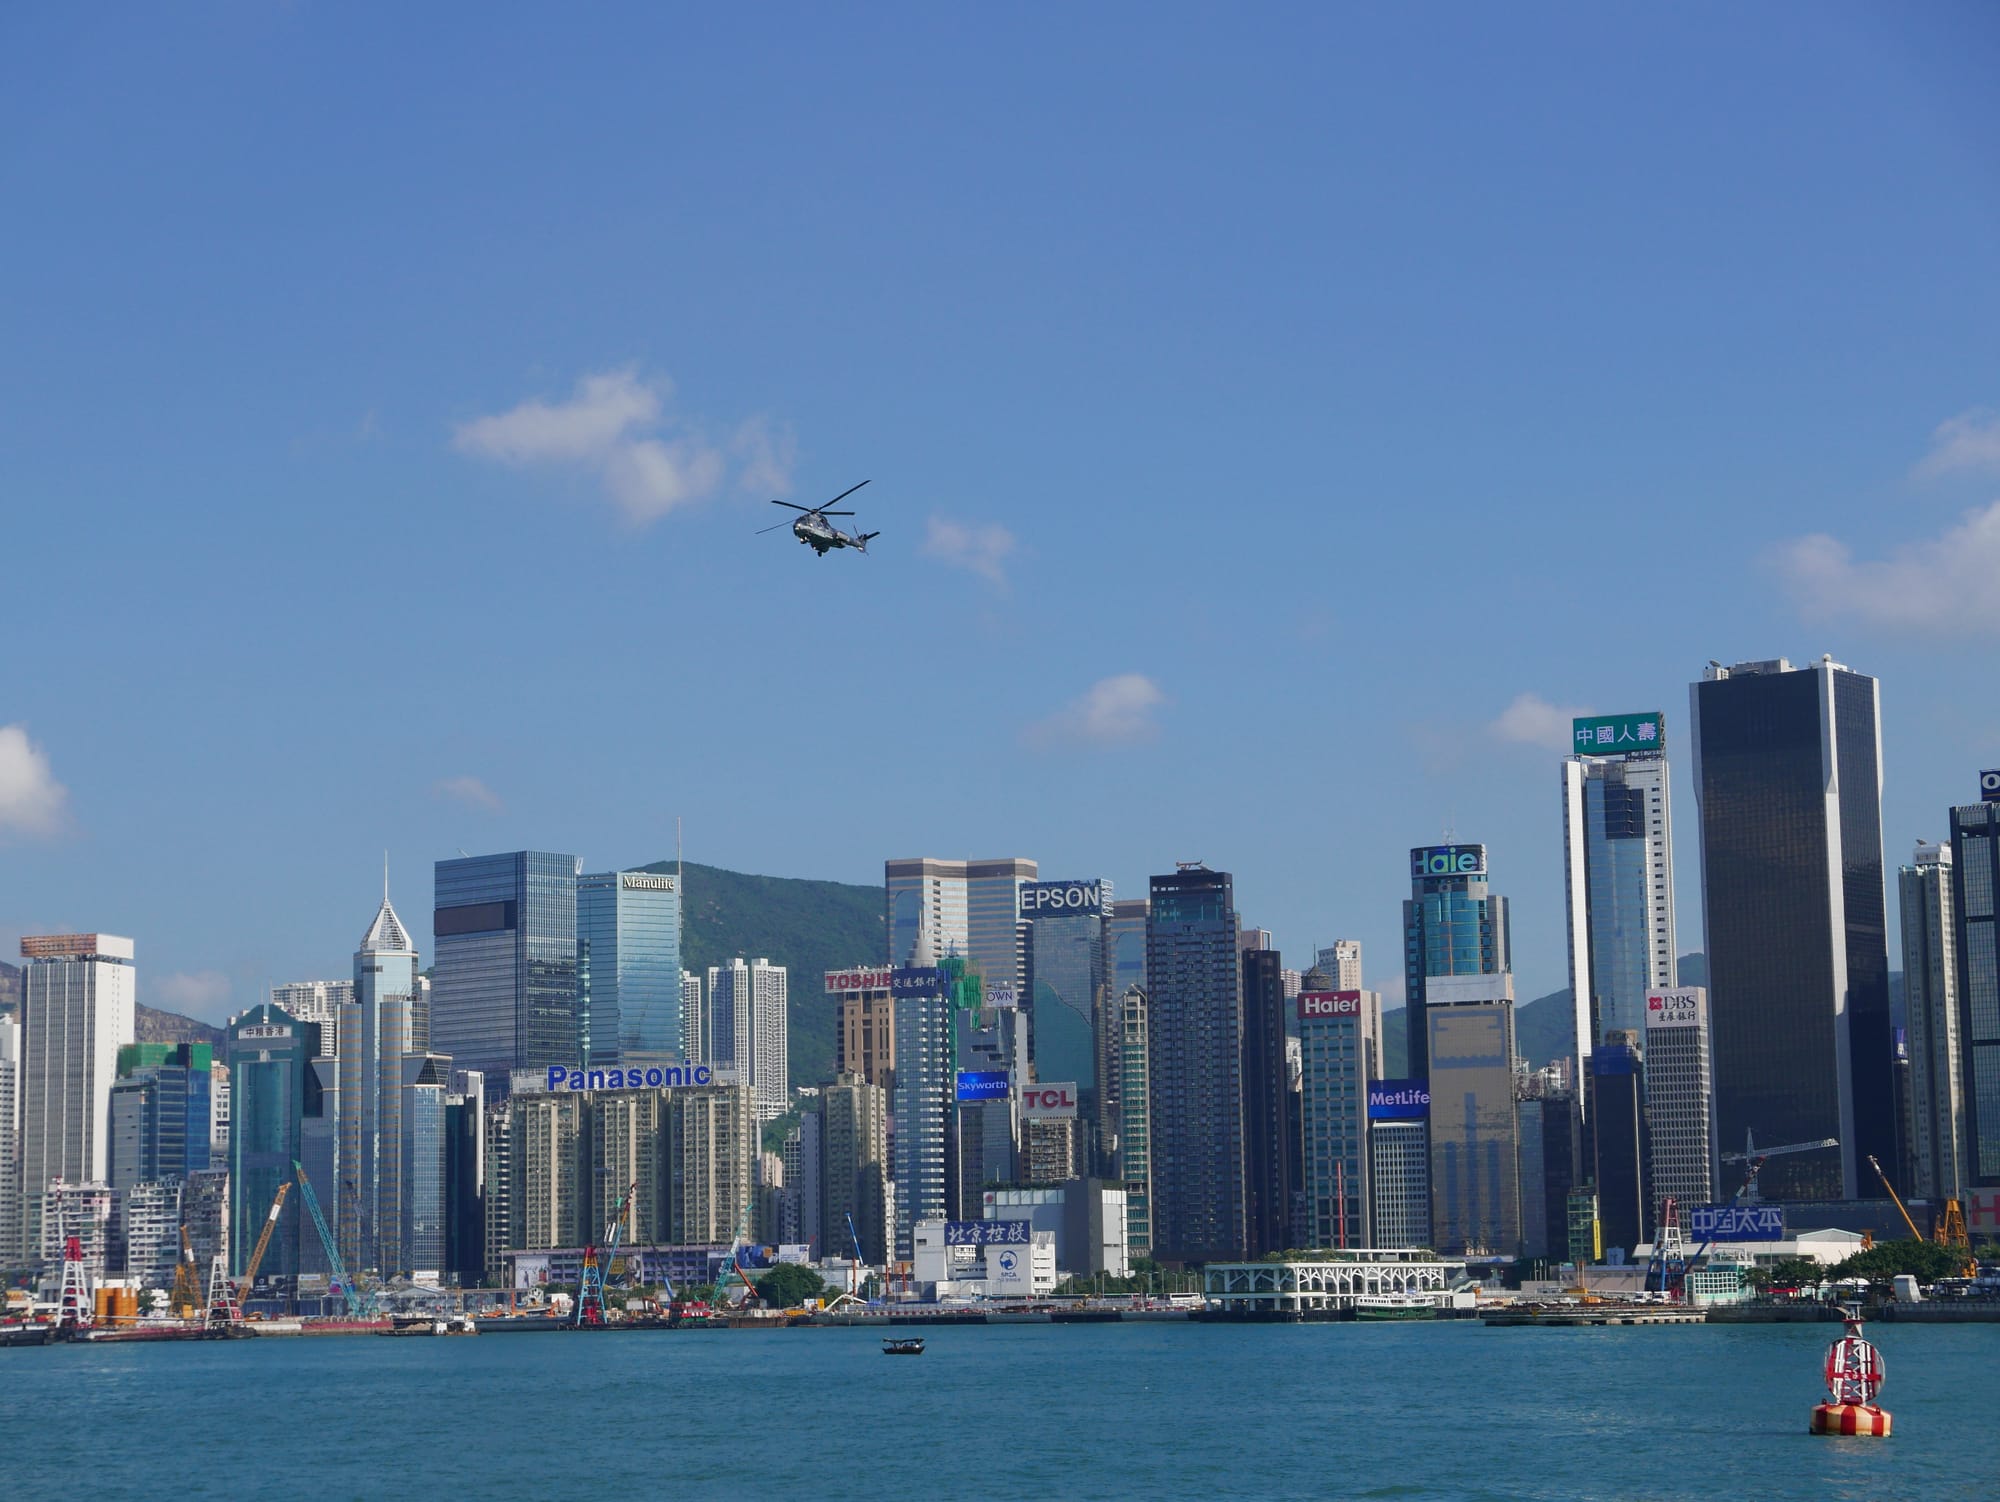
<point x="1788" y="788"/>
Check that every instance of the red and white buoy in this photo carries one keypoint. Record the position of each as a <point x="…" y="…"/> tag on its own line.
<point x="1853" y="1376"/>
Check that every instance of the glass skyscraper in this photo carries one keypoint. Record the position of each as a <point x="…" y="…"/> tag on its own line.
<point x="1195" y="1055"/>
<point x="628" y="937"/>
<point x="925" y="898"/>
<point x="1474" y="1132"/>
<point x="1067" y="977"/>
<point x="1788" y="783"/>
<point x="505" y="990"/>
<point x="1618" y="874"/>
<point x="272" y="1091"/>
<point x="1338" y="1033"/>
<point x="1452" y="925"/>
<point x="379" y="1032"/>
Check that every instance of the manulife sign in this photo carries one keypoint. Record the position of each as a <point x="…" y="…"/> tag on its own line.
<point x="1615" y="734"/>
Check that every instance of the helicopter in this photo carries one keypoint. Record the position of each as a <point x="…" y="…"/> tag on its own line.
<point x="817" y="532"/>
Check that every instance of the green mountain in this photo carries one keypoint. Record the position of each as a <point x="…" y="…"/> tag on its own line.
<point x="152" y="1024"/>
<point x="1544" y="1029"/>
<point x="809" y="927"/>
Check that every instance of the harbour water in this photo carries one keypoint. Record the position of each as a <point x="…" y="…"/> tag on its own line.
<point x="1405" y="1411"/>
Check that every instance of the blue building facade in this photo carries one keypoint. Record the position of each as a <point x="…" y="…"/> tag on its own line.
<point x="272" y="1089"/>
<point x="628" y="942"/>
<point x="504" y="990"/>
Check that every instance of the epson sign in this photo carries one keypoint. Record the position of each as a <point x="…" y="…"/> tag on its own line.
<point x="1051" y="899"/>
<point x="1448" y="860"/>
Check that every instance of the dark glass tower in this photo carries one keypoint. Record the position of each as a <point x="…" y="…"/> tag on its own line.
<point x="1620" y="1147"/>
<point x="1194" y="1058"/>
<point x="1269" y="1131"/>
<point x="1975" y="851"/>
<point x="1788" y="780"/>
<point x="504" y="993"/>
<point x="272" y="1090"/>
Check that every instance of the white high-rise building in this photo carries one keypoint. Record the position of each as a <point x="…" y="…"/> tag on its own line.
<point x="1618" y="873"/>
<point x="316" y="1001"/>
<point x="693" y="1038"/>
<point x="1680" y="1103"/>
<point x="218" y="1113"/>
<point x="379" y="1035"/>
<point x="1938" y="1135"/>
<point x="10" y="1141"/>
<point x="745" y="1031"/>
<point x="78" y="1008"/>
<point x="969" y="908"/>
<point x="1342" y="963"/>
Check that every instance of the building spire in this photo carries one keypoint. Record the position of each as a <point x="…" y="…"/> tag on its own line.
<point x="385" y="876"/>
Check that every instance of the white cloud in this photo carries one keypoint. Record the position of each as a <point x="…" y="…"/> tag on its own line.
<point x="1969" y="441"/>
<point x="468" y="790"/>
<point x="617" y="426"/>
<point x="983" y="550"/>
<point x="1949" y="584"/>
<point x="31" y="800"/>
<point x="192" y="995"/>
<point x="1532" y="721"/>
<point x="1116" y="711"/>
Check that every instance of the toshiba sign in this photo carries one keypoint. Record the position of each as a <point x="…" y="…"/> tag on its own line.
<point x="1316" y="1004"/>
<point x="1039" y="1102"/>
<point x="858" y="978"/>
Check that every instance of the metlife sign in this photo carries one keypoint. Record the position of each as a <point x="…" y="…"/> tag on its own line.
<point x="1674" y="1008"/>
<point x="1614" y="735"/>
<point x="1062" y="899"/>
<point x="1448" y="860"/>
<point x="1737" y="1223"/>
<point x="1399" y="1100"/>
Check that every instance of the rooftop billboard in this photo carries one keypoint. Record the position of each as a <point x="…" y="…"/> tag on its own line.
<point x="1615" y="734"/>
<point x="1398" y="1100"/>
<point x="1448" y="860"/>
<point x="982" y="1084"/>
<point x="1055" y="899"/>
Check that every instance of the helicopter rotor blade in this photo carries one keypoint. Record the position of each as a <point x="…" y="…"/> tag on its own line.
<point x="843" y="496"/>
<point x="772" y="528"/>
<point x="795" y="508"/>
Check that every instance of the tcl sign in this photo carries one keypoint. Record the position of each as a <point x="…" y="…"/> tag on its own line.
<point x="1041" y="1101"/>
<point x="1315" y="1004"/>
<point x="858" y="978"/>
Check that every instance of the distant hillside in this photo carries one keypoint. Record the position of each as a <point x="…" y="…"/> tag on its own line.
<point x="809" y="927"/>
<point x="153" y="1025"/>
<point x="1544" y="1029"/>
<point x="156" y="1026"/>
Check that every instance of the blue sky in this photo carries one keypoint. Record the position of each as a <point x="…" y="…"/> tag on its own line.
<point x="1277" y="421"/>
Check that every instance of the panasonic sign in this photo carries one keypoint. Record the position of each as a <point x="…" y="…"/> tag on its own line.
<point x="1055" y="899"/>
<point x="629" y="1079"/>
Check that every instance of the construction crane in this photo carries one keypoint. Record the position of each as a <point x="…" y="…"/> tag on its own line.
<point x="1896" y="1200"/>
<point x="855" y="1237"/>
<point x="185" y="1300"/>
<point x="247" y="1284"/>
<point x="1755" y="1157"/>
<point x="590" y="1291"/>
<point x="359" y="1304"/>
<point x="736" y="1243"/>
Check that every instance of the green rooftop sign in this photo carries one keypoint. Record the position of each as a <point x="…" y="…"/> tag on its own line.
<point x="1615" y="734"/>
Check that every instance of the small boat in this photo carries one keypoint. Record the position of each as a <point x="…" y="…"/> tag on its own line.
<point x="913" y="1346"/>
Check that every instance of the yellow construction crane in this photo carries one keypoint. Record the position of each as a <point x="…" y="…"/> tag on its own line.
<point x="185" y="1301"/>
<point x="1896" y="1199"/>
<point x="1951" y="1232"/>
<point x="249" y="1282"/>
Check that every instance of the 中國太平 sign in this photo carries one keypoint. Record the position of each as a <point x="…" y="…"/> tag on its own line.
<point x="1737" y="1223"/>
<point x="1614" y="735"/>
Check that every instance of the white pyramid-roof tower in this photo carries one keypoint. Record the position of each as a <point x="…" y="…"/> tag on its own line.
<point x="386" y="935"/>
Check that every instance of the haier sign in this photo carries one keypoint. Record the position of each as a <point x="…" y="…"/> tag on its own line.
<point x="1315" y="1004"/>
<point x="1399" y="1100"/>
<point x="1448" y="860"/>
<point x="1057" y="899"/>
